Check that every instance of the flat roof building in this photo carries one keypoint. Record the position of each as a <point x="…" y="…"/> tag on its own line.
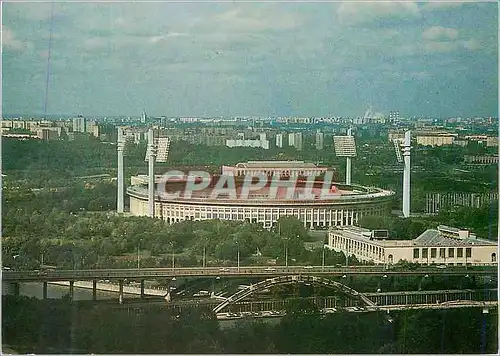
<point x="444" y="245"/>
<point x="280" y="168"/>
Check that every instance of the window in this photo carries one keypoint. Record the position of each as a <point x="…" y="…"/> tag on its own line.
<point x="425" y="253"/>
<point x="416" y="253"/>
<point x="451" y="252"/>
<point x="433" y="252"/>
<point x="468" y="252"/>
<point x="442" y="252"/>
<point x="493" y="257"/>
<point x="460" y="252"/>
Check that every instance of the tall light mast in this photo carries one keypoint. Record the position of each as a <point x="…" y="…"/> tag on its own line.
<point x="151" y="174"/>
<point x="345" y="146"/>
<point x="406" y="174"/>
<point x="348" y="169"/>
<point x="120" y="147"/>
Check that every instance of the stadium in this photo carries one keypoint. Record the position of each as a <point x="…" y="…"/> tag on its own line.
<point x="315" y="201"/>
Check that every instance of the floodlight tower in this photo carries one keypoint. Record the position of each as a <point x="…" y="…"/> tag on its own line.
<point x="345" y="146"/>
<point x="406" y="174"/>
<point x="403" y="156"/>
<point x="121" y="147"/>
<point x="348" y="163"/>
<point x="163" y="149"/>
<point x="151" y="174"/>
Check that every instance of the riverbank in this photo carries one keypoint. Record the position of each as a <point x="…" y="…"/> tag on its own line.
<point x="109" y="287"/>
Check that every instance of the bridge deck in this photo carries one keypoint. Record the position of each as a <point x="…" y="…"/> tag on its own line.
<point x="232" y="272"/>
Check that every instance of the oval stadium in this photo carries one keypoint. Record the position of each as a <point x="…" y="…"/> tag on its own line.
<point x="315" y="202"/>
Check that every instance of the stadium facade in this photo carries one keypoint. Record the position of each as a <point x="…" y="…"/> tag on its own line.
<point x="345" y="205"/>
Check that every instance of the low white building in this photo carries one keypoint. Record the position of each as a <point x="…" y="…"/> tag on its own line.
<point x="446" y="245"/>
<point x="279" y="168"/>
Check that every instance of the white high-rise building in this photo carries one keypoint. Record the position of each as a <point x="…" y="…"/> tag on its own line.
<point x="79" y="124"/>
<point x="279" y="140"/>
<point x="319" y="140"/>
<point x="298" y="141"/>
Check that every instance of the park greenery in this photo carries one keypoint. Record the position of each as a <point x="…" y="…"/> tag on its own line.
<point x="55" y="211"/>
<point x="55" y="214"/>
<point x="61" y="326"/>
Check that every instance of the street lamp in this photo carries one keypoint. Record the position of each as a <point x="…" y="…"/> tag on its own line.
<point x="323" y="260"/>
<point x="204" y="252"/>
<point x="421" y="280"/>
<point x="238" y="257"/>
<point x="138" y="255"/>
<point x="286" y="251"/>
<point x="173" y="254"/>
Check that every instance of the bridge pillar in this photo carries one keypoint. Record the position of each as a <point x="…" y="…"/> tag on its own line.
<point x="94" y="290"/>
<point x="120" y="292"/>
<point x="16" y="289"/>
<point x="142" y="288"/>
<point x="44" y="290"/>
<point x="71" y="290"/>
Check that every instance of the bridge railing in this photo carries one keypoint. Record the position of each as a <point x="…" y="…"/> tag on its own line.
<point x="233" y="271"/>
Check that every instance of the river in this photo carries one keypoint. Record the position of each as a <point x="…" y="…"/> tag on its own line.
<point x="57" y="291"/>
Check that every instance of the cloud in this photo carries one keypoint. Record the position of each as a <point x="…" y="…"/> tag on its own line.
<point x="254" y="19"/>
<point x="160" y="38"/>
<point x="10" y="42"/>
<point x="357" y="13"/>
<point x="440" y="46"/>
<point x="471" y="44"/>
<point x="437" y="47"/>
<point x="441" y="5"/>
<point x="438" y="33"/>
<point x="95" y="43"/>
<point x="257" y="57"/>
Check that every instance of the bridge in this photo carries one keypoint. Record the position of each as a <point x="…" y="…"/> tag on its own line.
<point x="232" y="272"/>
<point x="238" y="308"/>
<point x="272" y="275"/>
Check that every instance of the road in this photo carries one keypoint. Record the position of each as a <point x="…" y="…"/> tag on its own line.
<point x="228" y="272"/>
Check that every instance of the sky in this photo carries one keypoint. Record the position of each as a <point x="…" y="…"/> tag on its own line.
<point x="251" y="59"/>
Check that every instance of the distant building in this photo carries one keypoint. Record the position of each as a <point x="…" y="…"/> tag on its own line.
<point x="92" y="128"/>
<point x="492" y="141"/>
<point x="446" y="245"/>
<point x="393" y="117"/>
<point x="396" y="135"/>
<point x="79" y="124"/>
<point x="262" y="142"/>
<point x="434" y="140"/>
<point x="436" y="202"/>
<point x="279" y="140"/>
<point x="280" y="168"/>
<point x="481" y="159"/>
<point x="298" y="141"/>
<point x="48" y="133"/>
<point x="295" y="140"/>
<point x="319" y="140"/>
<point x="143" y="117"/>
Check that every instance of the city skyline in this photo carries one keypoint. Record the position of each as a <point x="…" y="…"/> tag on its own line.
<point x="251" y="59"/>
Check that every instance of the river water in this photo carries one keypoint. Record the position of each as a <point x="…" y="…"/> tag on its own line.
<point x="57" y="291"/>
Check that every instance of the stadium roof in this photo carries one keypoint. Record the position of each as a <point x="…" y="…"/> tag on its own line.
<point x="276" y="164"/>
